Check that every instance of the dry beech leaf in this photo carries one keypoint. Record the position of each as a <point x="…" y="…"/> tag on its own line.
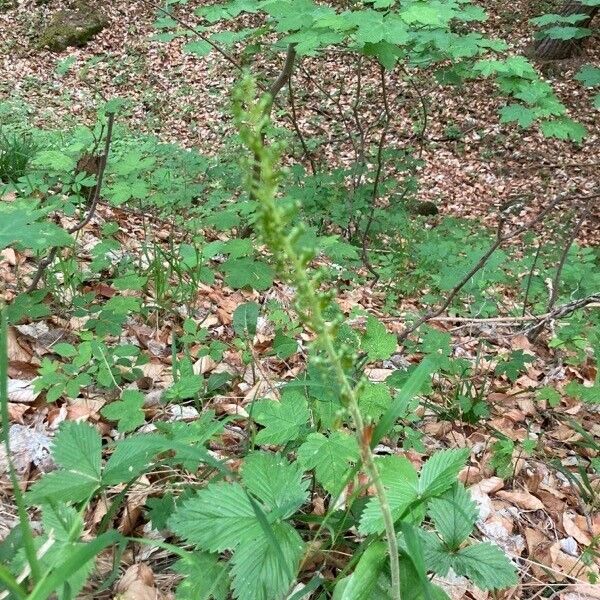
<point x="573" y="530"/>
<point x="21" y="390"/>
<point x="522" y="499"/>
<point x="137" y="583"/>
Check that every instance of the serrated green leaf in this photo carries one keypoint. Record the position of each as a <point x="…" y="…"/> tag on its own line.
<point x="588" y="75"/>
<point x="374" y="399"/>
<point x="219" y="517"/>
<point x="78" y="448"/>
<point x="377" y="342"/>
<point x="127" y="411"/>
<point x="284" y="420"/>
<point x="441" y="471"/>
<point x="205" y="577"/>
<point x="454" y="514"/>
<point x="564" y="129"/>
<point x="276" y="482"/>
<point x="485" y="565"/>
<point x="61" y="486"/>
<point x="261" y="571"/>
<point x="331" y="457"/>
<point x="400" y="480"/>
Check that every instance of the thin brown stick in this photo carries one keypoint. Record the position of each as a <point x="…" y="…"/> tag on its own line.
<point x="378" y="173"/>
<point x="45" y="263"/>
<point x="499" y="240"/>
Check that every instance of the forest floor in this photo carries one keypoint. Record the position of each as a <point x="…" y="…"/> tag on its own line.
<point x="536" y="514"/>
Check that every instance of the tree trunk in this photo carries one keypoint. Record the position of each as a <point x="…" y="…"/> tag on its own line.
<point x="551" y="49"/>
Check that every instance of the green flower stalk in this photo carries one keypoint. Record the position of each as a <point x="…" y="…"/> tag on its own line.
<point x="274" y="224"/>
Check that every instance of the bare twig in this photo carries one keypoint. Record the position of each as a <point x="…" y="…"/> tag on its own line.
<point x="378" y="173"/>
<point x="46" y="262"/>
<point x="499" y="240"/>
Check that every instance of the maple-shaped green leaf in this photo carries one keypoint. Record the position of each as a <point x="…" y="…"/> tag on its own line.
<point x="566" y="33"/>
<point x="518" y="114"/>
<point x="127" y="411"/>
<point x="485" y="565"/>
<point x="198" y="48"/>
<point x="589" y="75"/>
<point x="514" y="365"/>
<point x="376" y="341"/>
<point x="247" y="273"/>
<point x="283" y="420"/>
<point x="330" y="457"/>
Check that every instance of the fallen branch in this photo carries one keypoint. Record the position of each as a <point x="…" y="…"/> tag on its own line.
<point x="563" y="310"/>
<point x="499" y="240"/>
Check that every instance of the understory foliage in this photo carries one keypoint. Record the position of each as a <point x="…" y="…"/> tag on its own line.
<point x="245" y="528"/>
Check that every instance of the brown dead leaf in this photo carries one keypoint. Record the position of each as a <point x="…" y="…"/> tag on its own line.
<point x="574" y="531"/>
<point x="21" y="391"/>
<point x="522" y="499"/>
<point x="138" y="583"/>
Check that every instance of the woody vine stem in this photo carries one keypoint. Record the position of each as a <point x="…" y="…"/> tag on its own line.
<point x="274" y="224"/>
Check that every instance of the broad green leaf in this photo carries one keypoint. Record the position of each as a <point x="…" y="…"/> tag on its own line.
<point x="485" y="565"/>
<point x="133" y="456"/>
<point x="441" y="471"/>
<point x="410" y="388"/>
<point x="261" y="570"/>
<point x="219" y="517"/>
<point x="127" y="411"/>
<point x="454" y="515"/>
<point x="284" y="420"/>
<point x="78" y="448"/>
<point x="55" y="160"/>
<point x="276" y="482"/>
<point x="330" y="456"/>
<point x="245" y="318"/>
<point x="374" y="400"/>
<point x="247" y="273"/>
<point x="205" y="577"/>
<point x="377" y="342"/>
<point x="185" y="388"/>
<point x="400" y="480"/>
<point x="589" y="75"/>
<point x="362" y="583"/>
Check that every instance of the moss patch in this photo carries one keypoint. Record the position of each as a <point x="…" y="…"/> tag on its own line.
<point x="72" y="27"/>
